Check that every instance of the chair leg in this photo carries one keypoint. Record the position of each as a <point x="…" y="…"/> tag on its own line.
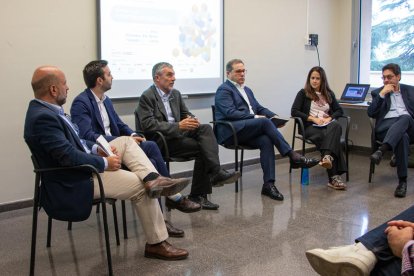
<point x="69" y="225"/>
<point x="371" y="170"/>
<point x="241" y="162"/>
<point x="34" y="234"/>
<point x="97" y="208"/>
<point x="124" y="224"/>
<point x="303" y="153"/>
<point x="347" y="163"/>
<point x="116" y="223"/>
<point x="49" y="231"/>
<point x="236" y="167"/>
<point x="108" y="249"/>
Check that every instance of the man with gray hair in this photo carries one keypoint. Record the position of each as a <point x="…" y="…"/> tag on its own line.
<point x="161" y="108"/>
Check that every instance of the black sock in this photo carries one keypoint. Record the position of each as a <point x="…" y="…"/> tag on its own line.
<point x="293" y="155"/>
<point x="268" y="184"/>
<point x="402" y="179"/>
<point x="384" y="147"/>
<point x="151" y="176"/>
<point x="326" y="152"/>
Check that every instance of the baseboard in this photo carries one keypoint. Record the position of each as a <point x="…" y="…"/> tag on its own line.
<point x="16" y="205"/>
<point x="228" y="166"/>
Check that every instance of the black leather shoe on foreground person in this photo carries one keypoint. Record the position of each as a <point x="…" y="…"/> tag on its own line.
<point x="376" y="157"/>
<point x="165" y="186"/>
<point x="401" y="190"/>
<point x="184" y="205"/>
<point x="224" y="177"/>
<point x="165" y="251"/>
<point x="270" y="190"/>
<point x="173" y="232"/>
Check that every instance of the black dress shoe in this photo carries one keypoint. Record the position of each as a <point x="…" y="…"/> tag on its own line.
<point x="376" y="157"/>
<point x="173" y="232"/>
<point x="303" y="162"/>
<point x="184" y="205"/>
<point x="401" y="190"/>
<point x="271" y="191"/>
<point x="224" y="177"/>
<point x="204" y="202"/>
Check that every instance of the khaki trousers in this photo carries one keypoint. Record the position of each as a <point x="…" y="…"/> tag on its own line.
<point x="128" y="185"/>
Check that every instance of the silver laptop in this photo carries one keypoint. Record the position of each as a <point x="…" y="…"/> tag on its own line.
<point x="354" y="93"/>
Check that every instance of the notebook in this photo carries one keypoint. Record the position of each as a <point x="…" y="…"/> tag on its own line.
<point x="354" y="93"/>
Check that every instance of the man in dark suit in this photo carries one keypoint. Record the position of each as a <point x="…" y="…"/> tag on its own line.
<point x="235" y="102"/>
<point x="54" y="140"/>
<point x="392" y="107"/>
<point x="161" y="108"/>
<point x="95" y="115"/>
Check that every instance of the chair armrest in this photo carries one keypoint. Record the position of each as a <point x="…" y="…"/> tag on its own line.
<point x="301" y="126"/>
<point x="163" y="140"/>
<point x="233" y="130"/>
<point x="347" y="126"/>
<point x="85" y="167"/>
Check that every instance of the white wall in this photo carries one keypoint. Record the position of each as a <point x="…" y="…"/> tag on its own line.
<point x="267" y="34"/>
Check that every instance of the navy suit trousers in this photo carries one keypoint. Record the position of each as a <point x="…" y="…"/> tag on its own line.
<point x="261" y="133"/>
<point x="398" y="133"/>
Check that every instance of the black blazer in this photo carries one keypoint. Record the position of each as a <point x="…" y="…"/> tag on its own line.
<point x="64" y="196"/>
<point x="301" y="107"/>
<point x="153" y="116"/>
<point x="380" y="107"/>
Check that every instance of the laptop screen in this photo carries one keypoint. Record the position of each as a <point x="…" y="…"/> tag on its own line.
<point x="355" y="92"/>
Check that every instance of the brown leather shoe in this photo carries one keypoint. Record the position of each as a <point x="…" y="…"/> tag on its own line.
<point x="165" y="186"/>
<point x="184" y="205"/>
<point x="165" y="251"/>
<point x="173" y="232"/>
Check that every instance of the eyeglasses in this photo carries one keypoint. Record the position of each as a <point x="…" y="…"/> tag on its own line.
<point x="387" y="77"/>
<point x="240" y="71"/>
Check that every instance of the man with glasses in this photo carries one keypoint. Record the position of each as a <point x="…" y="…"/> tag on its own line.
<point x="235" y="102"/>
<point x="392" y="107"/>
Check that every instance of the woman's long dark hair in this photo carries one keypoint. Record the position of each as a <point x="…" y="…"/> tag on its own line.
<point x="324" y="89"/>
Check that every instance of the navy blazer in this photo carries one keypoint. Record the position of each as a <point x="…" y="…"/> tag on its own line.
<point x="85" y="113"/>
<point x="380" y="107"/>
<point x="231" y="106"/>
<point x="55" y="144"/>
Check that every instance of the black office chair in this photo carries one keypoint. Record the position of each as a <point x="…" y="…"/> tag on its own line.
<point x="236" y="146"/>
<point x="299" y="127"/>
<point x="36" y="206"/>
<point x="161" y="141"/>
<point x="375" y="144"/>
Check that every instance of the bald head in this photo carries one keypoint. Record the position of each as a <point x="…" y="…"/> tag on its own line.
<point x="49" y="84"/>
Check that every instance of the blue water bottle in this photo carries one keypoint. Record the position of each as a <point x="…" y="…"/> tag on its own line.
<point x="305" y="176"/>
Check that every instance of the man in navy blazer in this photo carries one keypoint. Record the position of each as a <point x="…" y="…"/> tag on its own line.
<point x="393" y="108"/>
<point x="95" y="115"/>
<point x="235" y="102"/>
<point x="54" y="140"/>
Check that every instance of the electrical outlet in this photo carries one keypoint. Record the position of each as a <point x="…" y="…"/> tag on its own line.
<point x="313" y="39"/>
<point x="307" y="41"/>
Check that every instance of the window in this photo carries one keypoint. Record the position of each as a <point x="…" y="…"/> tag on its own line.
<point x="387" y="36"/>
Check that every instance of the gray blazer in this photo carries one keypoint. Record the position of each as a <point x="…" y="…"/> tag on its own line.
<point x="153" y="116"/>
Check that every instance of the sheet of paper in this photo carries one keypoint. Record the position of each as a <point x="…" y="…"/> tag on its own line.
<point x="104" y="145"/>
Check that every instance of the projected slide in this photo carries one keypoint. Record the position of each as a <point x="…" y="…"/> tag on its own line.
<point x="136" y="34"/>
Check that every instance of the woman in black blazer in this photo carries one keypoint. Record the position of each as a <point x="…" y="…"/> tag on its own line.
<point x="318" y="108"/>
